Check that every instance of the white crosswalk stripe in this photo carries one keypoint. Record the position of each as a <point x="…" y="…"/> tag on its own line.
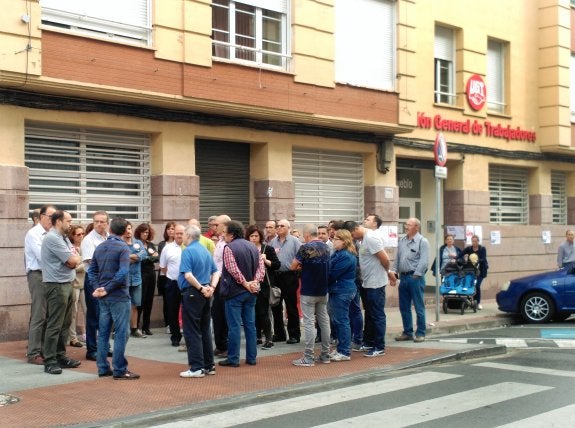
<point x="516" y="343"/>
<point x="525" y="369"/>
<point x="312" y="401"/>
<point x="562" y="417"/>
<point x="436" y="408"/>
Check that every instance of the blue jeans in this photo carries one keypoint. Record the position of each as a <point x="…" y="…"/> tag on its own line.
<point x="356" y="319"/>
<point x="241" y="308"/>
<point x="339" y="304"/>
<point x="411" y="290"/>
<point x="118" y="315"/>
<point x="375" y="300"/>
<point x="92" y="317"/>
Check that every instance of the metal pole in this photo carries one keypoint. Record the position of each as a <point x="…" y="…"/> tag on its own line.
<point x="437" y="243"/>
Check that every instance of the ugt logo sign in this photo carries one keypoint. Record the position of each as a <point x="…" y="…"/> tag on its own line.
<point x="476" y="92"/>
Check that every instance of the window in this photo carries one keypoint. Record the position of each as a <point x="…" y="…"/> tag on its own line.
<point x="572" y="87"/>
<point x="126" y="21"/>
<point x="496" y="76"/>
<point x="83" y="170"/>
<point x="508" y="196"/>
<point x="247" y="32"/>
<point x="328" y="185"/>
<point x="365" y="43"/>
<point x="559" y="197"/>
<point x="444" y="53"/>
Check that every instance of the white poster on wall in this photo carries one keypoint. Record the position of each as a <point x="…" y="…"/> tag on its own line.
<point x="546" y="236"/>
<point x="457" y="231"/>
<point x="389" y="235"/>
<point x="495" y="237"/>
<point x="471" y="230"/>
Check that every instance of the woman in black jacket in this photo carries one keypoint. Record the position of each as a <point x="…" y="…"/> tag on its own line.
<point x="482" y="265"/>
<point x="270" y="258"/>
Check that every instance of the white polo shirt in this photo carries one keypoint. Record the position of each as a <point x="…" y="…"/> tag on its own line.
<point x="89" y="244"/>
<point x="170" y="260"/>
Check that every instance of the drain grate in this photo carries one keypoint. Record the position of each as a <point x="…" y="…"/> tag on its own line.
<point x="6" y="399"/>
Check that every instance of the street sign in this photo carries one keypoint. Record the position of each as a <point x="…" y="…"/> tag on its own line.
<point x="440" y="150"/>
<point x="440" y="171"/>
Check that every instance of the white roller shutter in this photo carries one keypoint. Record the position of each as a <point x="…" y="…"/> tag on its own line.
<point x="508" y="195"/>
<point x="125" y="20"/>
<point x="444" y="44"/>
<point x="365" y="43"/>
<point x="328" y="185"/>
<point x="85" y="170"/>
<point x="224" y="171"/>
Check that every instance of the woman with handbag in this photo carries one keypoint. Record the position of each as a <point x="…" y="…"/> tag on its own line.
<point x="272" y="263"/>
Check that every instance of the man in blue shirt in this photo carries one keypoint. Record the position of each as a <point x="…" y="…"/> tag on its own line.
<point x="198" y="279"/>
<point x="109" y="273"/>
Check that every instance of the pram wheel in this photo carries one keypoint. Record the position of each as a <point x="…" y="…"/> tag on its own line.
<point x="474" y="305"/>
<point x="462" y="307"/>
<point x="444" y="306"/>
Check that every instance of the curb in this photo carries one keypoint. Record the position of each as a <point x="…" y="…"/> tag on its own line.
<point x="230" y="403"/>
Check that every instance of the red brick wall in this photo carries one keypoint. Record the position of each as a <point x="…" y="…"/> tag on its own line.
<point x="103" y="63"/>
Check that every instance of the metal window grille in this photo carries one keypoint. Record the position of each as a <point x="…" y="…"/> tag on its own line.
<point x="328" y="185"/>
<point x="508" y="195"/>
<point x="248" y="32"/>
<point x="126" y="21"/>
<point x="559" y="197"/>
<point x="85" y="170"/>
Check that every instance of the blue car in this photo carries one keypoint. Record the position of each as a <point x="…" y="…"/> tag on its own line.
<point x="540" y="298"/>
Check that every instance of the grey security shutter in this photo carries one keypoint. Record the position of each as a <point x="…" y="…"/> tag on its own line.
<point x="83" y="170"/>
<point x="328" y="185"/>
<point x="508" y="195"/>
<point x="224" y="171"/>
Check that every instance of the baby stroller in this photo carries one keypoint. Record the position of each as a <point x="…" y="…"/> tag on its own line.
<point x="458" y="285"/>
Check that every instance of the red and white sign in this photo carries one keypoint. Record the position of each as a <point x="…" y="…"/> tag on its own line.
<point x="440" y="150"/>
<point x="476" y="92"/>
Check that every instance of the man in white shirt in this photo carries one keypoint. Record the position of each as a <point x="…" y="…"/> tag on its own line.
<point x="170" y="266"/>
<point x="98" y="235"/>
<point x="218" y="310"/>
<point x="32" y="248"/>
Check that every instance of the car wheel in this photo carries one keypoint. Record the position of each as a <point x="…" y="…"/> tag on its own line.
<point x="537" y="308"/>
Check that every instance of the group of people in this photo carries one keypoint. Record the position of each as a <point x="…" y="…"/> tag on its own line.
<point x="220" y="279"/>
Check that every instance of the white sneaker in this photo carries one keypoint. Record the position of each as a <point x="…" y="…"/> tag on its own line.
<point x="189" y="373"/>
<point x="479" y="307"/>
<point x="339" y="357"/>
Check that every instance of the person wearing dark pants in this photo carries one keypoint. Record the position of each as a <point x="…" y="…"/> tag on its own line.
<point x="197" y="281"/>
<point x="219" y="321"/>
<point x="170" y="265"/>
<point x="58" y="272"/>
<point x="98" y="235"/>
<point x="286" y="247"/>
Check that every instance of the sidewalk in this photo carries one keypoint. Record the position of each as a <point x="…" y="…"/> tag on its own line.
<point x="79" y="397"/>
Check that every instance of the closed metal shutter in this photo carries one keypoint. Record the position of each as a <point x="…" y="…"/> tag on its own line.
<point x="508" y="195"/>
<point x="328" y="186"/>
<point x="126" y="21"/>
<point x="224" y="171"/>
<point x="559" y="197"/>
<point x="84" y="170"/>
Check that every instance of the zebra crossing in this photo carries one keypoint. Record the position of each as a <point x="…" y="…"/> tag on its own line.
<point x="516" y="343"/>
<point x="466" y="399"/>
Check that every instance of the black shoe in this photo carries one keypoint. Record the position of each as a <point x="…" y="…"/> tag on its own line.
<point x="127" y="375"/>
<point x="228" y="363"/>
<point x="147" y="332"/>
<point x="53" y="369"/>
<point x="259" y="341"/>
<point x="106" y="373"/>
<point x="278" y="338"/>
<point x="251" y="363"/>
<point x="68" y="363"/>
<point x="175" y="343"/>
<point x="292" y="340"/>
<point x="268" y="345"/>
<point x="110" y="354"/>
<point x="91" y="357"/>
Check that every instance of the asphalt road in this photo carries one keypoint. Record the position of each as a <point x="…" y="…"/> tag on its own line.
<point x="527" y="387"/>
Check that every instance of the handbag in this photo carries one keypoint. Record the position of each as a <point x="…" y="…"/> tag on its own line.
<point x="275" y="295"/>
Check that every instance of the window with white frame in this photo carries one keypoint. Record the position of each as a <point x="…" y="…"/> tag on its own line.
<point x="559" y="197"/>
<point x="496" y="76"/>
<point x="508" y="195"/>
<point x="572" y="87"/>
<point x="85" y="170"/>
<point x="444" y="54"/>
<point x="365" y="43"/>
<point x="255" y="31"/>
<point x="126" y="21"/>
